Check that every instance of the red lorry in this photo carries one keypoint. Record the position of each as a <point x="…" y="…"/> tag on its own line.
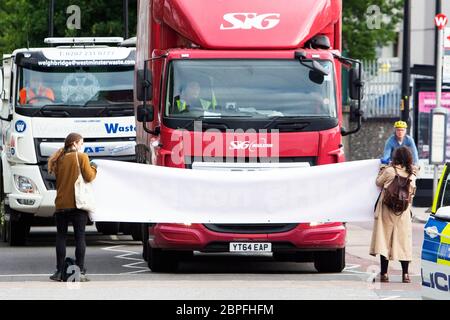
<point x="237" y="85"/>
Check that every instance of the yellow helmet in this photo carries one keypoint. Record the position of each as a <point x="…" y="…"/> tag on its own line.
<point x="400" y="124"/>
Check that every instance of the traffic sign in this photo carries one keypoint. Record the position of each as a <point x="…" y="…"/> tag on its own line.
<point x="441" y="21"/>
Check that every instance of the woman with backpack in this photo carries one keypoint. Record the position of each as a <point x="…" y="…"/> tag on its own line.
<point x="66" y="164"/>
<point x="392" y="231"/>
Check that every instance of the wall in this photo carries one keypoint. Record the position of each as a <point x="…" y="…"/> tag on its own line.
<point x="368" y="142"/>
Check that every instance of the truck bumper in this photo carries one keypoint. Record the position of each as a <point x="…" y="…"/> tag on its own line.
<point x="197" y="237"/>
<point x="40" y="204"/>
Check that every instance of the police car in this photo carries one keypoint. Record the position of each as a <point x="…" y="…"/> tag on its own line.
<point x="436" y="244"/>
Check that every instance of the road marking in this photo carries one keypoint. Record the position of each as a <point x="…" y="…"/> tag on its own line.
<point x="390" y="297"/>
<point x="26" y="275"/>
<point x="49" y="274"/>
<point x="351" y="266"/>
<point x="126" y="256"/>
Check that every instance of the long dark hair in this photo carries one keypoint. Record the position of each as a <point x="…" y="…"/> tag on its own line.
<point x="68" y="144"/>
<point x="403" y="156"/>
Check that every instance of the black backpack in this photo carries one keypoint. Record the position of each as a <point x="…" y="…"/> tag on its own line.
<point x="69" y="270"/>
<point x="397" y="195"/>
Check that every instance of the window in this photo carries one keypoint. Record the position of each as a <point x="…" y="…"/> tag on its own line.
<point x="259" y="89"/>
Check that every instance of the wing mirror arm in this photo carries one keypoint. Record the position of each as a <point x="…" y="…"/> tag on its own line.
<point x="356" y="86"/>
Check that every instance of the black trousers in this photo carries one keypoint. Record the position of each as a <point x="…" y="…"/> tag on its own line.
<point x="79" y="219"/>
<point x="385" y="264"/>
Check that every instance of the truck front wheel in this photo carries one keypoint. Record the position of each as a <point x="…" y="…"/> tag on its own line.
<point x="3" y="228"/>
<point x="108" y="228"/>
<point x="16" y="228"/>
<point x="136" y="231"/>
<point x="330" y="261"/>
<point x="161" y="261"/>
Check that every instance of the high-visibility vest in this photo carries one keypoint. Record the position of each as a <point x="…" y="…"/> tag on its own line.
<point x="27" y="94"/>
<point x="181" y="105"/>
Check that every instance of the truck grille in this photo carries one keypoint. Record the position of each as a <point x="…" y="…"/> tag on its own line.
<point x="190" y="159"/>
<point x="251" y="228"/>
<point x="49" y="180"/>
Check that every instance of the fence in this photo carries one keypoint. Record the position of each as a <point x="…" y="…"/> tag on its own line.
<point x="382" y="89"/>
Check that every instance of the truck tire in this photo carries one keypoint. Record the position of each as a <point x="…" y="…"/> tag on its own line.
<point x="145" y="236"/>
<point x="145" y="252"/>
<point x="3" y="226"/>
<point x="108" y="228"/>
<point x="125" y="228"/>
<point x="2" y="208"/>
<point x="330" y="261"/>
<point x="17" y="228"/>
<point x="162" y="261"/>
<point x="136" y="231"/>
<point x="3" y="232"/>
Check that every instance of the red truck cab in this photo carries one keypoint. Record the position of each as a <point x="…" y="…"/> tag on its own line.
<point x="241" y="85"/>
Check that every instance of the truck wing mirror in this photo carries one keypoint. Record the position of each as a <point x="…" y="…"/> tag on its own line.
<point x="144" y="88"/>
<point x="355" y="84"/>
<point x="316" y="77"/>
<point x="4" y="104"/>
<point x="5" y="115"/>
<point x="311" y="64"/>
<point x="317" y="67"/>
<point x="144" y="113"/>
<point x="2" y="85"/>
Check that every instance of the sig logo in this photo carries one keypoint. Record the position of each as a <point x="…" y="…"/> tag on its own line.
<point x="20" y="126"/>
<point x="251" y="146"/>
<point x="247" y="21"/>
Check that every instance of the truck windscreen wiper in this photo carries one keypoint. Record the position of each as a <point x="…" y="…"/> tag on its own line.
<point x="191" y="121"/>
<point x="116" y="110"/>
<point x="46" y="110"/>
<point x="218" y="117"/>
<point x="290" y="118"/>
<point x="103" y="103"/>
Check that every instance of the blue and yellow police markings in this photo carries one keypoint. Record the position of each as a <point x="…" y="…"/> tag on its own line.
<point x="436" y="259"/>
<point x="432" y="239"/>
<point x="444" y="249"/>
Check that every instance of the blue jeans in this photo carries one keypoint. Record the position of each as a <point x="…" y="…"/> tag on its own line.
<point x="79" y="219"/>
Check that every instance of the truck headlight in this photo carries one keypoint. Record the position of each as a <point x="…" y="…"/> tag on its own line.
<point x="25" y="185"/>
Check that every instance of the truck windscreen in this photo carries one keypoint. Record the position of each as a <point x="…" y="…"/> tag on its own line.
<point x="258" y="89"/>
<point x="75" y="87"/>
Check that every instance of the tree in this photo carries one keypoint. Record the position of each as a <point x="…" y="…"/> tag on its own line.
<point x="368" y="25"/>
<point x="25" y="22"/>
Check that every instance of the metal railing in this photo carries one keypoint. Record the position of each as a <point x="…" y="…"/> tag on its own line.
<point x="382" y="88"/>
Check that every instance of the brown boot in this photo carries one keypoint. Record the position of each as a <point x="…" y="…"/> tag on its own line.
<point x="405" y="278"/>
<point x="384" y="277"/>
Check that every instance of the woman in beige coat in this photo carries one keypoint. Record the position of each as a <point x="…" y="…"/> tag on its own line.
<point x="392" y="232"/>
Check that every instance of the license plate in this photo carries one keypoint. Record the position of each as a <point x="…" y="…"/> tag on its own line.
<point x="250" y="247"/>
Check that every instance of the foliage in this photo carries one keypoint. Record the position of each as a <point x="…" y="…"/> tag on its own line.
<point x="363" y="29"/>
<point x="25" y="22"/>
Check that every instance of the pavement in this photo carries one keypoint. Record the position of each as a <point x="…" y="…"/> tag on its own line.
<point x="117" y="271"/>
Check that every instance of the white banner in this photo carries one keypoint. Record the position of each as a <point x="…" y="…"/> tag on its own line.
<point x="128" y="192"/>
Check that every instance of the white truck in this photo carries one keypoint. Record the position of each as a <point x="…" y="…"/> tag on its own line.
<point x="79" y="85"/>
